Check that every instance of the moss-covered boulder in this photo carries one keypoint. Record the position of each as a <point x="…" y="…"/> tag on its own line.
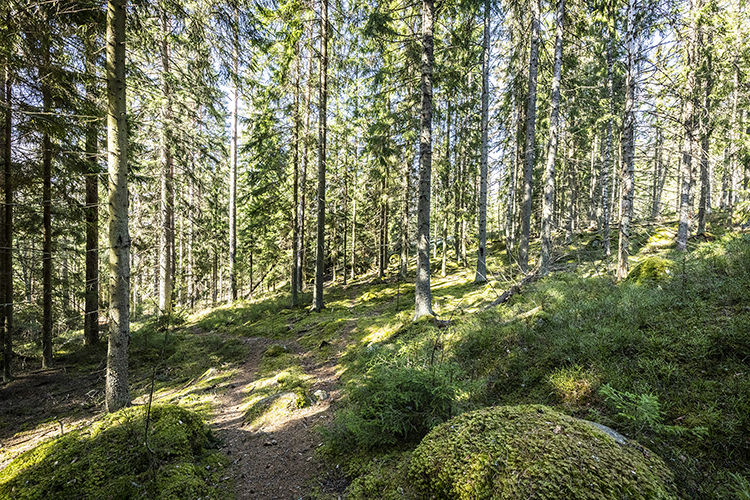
<point x="652" y="269"/>
<point x="533" y="452"/>
<point x="113" y="459"/>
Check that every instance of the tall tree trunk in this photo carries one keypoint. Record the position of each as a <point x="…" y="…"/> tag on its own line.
<point x="354" y="228"/>
<point x="191" y="284"/>
<point x="733" y="174"/>
<point x="510" y="225"/>
<point x="3" y="275"/>
<point x="528" y="170"/>
<point x="422" y="291"/>
<point x="610" y="126"/>
<point x="481" y="274"/>
<point x="656" y="190"/>
<point x="549" y="171"/>
<point x="91" y="309"/>
<point x="8" y="229"/>
<point x="406" y="193"/>
<point x="345" y="207"/>
<point x="704" y="204"/>
<point x="446" y="191"/>
<point x="117" y="391"/>
<point x="167" y="181"/>
<point x="628" y="164"/>
<point x="296" y="206"/>
<point x="322" y="130"/>
<point x="689" y="124"/>
<point x="47" y="210"/>
<point x="594" y="184"/>
<point x="234" y="107"/>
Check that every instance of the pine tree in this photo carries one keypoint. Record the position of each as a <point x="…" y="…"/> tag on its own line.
<point x="117" y="390"/>
<point x="423" y="294"/>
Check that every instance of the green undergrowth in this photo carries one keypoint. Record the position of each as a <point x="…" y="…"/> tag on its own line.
<point x="281" y="385"/>
<point x="661" y="357"/>
<point x="120" y="457"/>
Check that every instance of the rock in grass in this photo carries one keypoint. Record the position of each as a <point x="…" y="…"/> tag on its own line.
<point x="533" y="452"/>
<point x="653" y="269"/>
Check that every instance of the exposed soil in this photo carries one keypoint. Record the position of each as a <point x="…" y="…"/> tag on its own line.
<point x="274" y="461"/>
<point x="41" y="404"/>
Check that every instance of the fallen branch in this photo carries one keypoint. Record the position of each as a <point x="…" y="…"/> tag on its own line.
<point x="515" y="289"/>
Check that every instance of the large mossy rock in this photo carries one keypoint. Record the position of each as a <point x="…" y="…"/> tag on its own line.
<point x="653" y="269"/>
<point x="533" y="452"/>
<point x="112" y="460"/>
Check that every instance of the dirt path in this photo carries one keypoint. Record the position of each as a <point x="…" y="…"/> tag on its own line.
<point x="276" y="460"/>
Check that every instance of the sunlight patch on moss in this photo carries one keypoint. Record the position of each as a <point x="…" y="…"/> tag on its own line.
<point x="109" y="460"/>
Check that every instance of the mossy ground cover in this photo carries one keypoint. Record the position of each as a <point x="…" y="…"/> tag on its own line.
<point x="533" y="452"/>
<point x="123" y="456"/>
<point x="661" y="357"/>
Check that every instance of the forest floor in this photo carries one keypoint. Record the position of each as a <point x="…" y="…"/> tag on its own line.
<point x="272" y="458"/>
<point x="268" y="378"/>
<point x="275" y="460"/>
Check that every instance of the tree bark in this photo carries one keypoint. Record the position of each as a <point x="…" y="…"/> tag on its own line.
<point x="296" y="206"/>
<point x="689" y="125"/>
<point x="3" y="275"/>
<point x="46" y="210"/>
<point x="628" y="164"/>
<point x="322" y="130"/>
<point x="704" y="204"/>
<point x="594" y="182"/>
<point x="406" y="193"/>
<point x="658" y="167"/>
<point x="167" y="181"/>
<point x="610" y="126"/>
<point x="91" y="308"/>
<point x="549" y="171"/>
<point x="481" y="274"/>
<point x="117" y="391"/>
<point x="422" y="291"/>
<point x="523" y="251"/>
<point x="8" y="230"/>
<point x="234" y="107"/>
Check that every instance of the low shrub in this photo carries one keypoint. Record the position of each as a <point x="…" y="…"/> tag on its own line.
<point x="395" y="402"/>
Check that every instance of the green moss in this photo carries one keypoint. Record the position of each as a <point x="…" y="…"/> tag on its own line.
<point x="112" y="460"/>
<point x="275" y="350"/>
<point x="533" y="452"/>
<point x="384" y="477"/>
<point x="652" y="269"/>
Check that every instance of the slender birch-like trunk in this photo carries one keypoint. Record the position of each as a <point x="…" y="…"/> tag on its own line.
<point x="528" y="170"/>
<point x="628" y="163"/>
<point x="481" y="274"/>
<point x="549" y="171"/>
<point x="689" y="125"/>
